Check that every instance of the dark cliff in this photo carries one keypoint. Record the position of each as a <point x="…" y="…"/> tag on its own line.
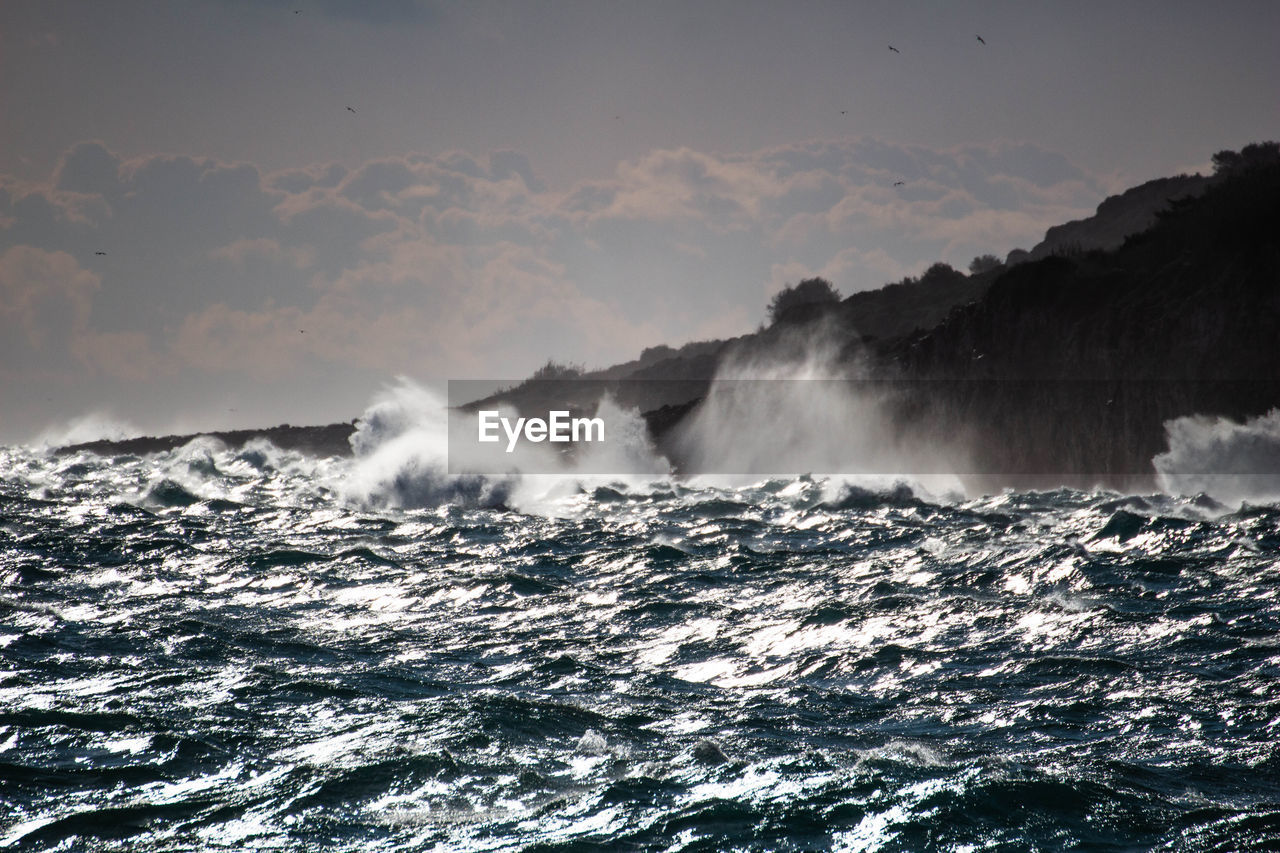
<point x="1073" y="364"/>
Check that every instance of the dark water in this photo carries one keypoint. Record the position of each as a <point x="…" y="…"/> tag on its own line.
<point x="211" y="650"/>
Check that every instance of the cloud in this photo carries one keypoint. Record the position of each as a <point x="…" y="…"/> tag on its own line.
<point x="46" y="303"/>
<point x="677" y="186"/>
<point x="298" y="181"/>
<point x="121" y="355"/>
<point x="777" y="184"/>
<point x="263" y="344"/>
<point x="806" y="204"/>
<point x="89" y="168"/>
<point x="45" y="297"/>
<point x="262" y="250"/>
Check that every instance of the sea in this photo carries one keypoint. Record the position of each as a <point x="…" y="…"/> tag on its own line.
<point x="251" y="649"/>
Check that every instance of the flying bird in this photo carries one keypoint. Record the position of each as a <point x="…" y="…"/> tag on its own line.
<point x="99" y="253"/>
<point x="894" y="49"/>
<point x="898" y="183"/>
<point x="843" y="112"/>
<point x="352" y="109"/>
<point x="981" y="39"/>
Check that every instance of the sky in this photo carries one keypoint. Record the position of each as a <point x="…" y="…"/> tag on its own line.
<point x="237" y="213"/>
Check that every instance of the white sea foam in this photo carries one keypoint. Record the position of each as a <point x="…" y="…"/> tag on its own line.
<point x="1230" y="460"/>
<point x="402" y="447"/>
<point x="401" y="455"/>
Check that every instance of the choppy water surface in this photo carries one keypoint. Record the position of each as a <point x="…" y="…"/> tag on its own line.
<point x="218" y="650"/>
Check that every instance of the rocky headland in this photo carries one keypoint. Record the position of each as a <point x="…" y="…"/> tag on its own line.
<point x="1059" y="364"/>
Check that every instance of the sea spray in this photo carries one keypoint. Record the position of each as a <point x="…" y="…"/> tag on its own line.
<point x="410" y="453"/>
<point x="1230" y="460"/>
<point x="400" y="448"/>
<point x="804" y="405"/>
<point x="91" y="426"/>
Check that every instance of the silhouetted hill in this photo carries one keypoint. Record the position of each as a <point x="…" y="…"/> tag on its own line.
<point x="904" y="307"/>
<point x="1075" y="363"/>
<point x="1118" y="217"/>
<point x="328" y="440"/>
<point x="1197" y="295"/>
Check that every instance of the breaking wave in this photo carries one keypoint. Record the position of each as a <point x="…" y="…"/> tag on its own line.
<point x="1231" y="460"/>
